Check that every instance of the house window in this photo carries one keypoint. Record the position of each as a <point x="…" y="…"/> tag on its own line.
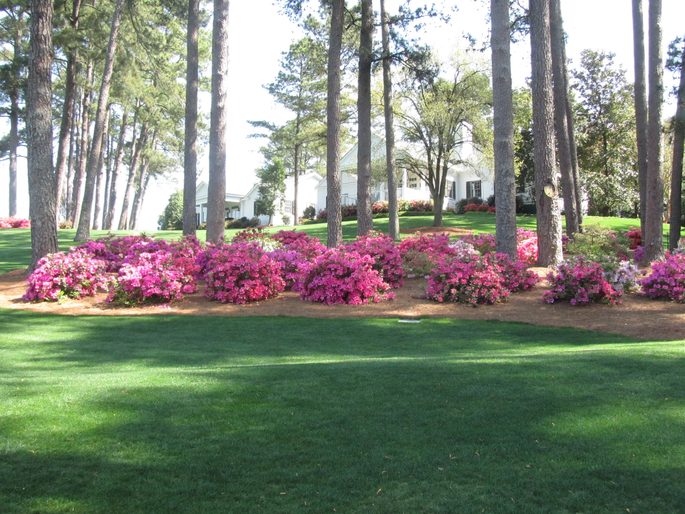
<point x="453" y="190"/>
<point x="473" y="189"/>
<point x="412" y="181"/>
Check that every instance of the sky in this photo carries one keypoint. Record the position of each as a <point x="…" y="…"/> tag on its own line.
<point x="259" y="34"/>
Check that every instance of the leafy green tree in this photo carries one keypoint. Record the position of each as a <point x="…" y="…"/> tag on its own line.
<point x="172" y="217"/>
<point x="523" y="139"/>
<point x="438" y="117"/>
<point x="271" y="187"/>
<point x="607" y="150"/>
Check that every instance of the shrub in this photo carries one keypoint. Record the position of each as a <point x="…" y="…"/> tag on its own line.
<point x="12" y="222"/>
<point x="115" y="250"/>
<point x="596" y="243"/>
<point x="293" y="266"/>
<point x="515" y="275"/>
<point x="243" y="222"/>
<point x="667" y="279"/>
<point x="65" y="275"/>
<point x="622" y="275"/>
<point x="343" y="276"/>
<point x="527" y="246"/>
<point x="241" y="273"/>
<point x="471" y="282"/>
<point x="298" y="250"/>
<point x="474" y="199"/>
<point x="426" y="243"/>
<point x="66" y="224"/>
<point x="460" y="206"/>
<point x="150" y="278"/>
<point x="258" y="236"/>
<point x="380" y="207"/>
<point x="634" y="236"/>
<point x="309" y="212"/>
<point x="484" y="243"/>
<point x="491" y="201"/>
<point x="386" y="256"/>
<point x="580" y="282"/>
<point x="416" y="205"/>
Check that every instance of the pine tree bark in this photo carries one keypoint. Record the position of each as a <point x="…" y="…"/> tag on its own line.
<point x="677" y="162"/>
<point x="503" y="111"/>
<point x="111" y="203"/>
<point x="333" y="198"/>
<point x="560" y="123"/>
<point x="393" y="207"/>
<point x="640" y="105"/>
<point x="84" y="139"/>
<point x="109" y="148"/>
<point x="653" y="234"/>
<point x="216" y="188"/>
<point x="546" y="183"/>
<point x="83" y="229"/>
<point x="13" y="147"/>
<point x="190" y="147"/>
<point x="64" y="138"/>
<point x="364" y="215"/>
<point x="132" y="171"/>
<point x="99" y="176"/>
<point x="39" y="132"/>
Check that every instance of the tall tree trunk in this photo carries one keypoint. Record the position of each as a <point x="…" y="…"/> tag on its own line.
<point x="505" y="180"/>
<point x="83" y="230"/>
<point x="333" y="197"/>
<point x="77" y="188"/>
<point x="137" y="207"/>
<point x="640" y="105"/>
<point x="546" y="184"/>
<point x="296" y="173"/>
<point x="364" y="215"/>
<point x="216" y="188"/>
<point x="67" y="109"/>
<point x="677" y="163"/>
<point x="13" y="147"/>
<point x="39" y="131"/>
<point x="133" y="169"/>
<point x="140" y="182"/>
<point x="121" y="143"/>
<point x="13" y="94"/>
<point x="653" y="234"/>
<point x="393" y="207"/>
<point x="109" y="148"/>
<point x="560" y="122"/>
<point x="99" y="176"/>
<point x="64" y="202"/>
<point x="190" y="147"/>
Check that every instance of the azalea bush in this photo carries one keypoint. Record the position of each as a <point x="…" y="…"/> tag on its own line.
<point x="596" y="243"/>
<point x="484" y="243"/>
<point x="65" y="275"/>
<point x="341" y="275"/>
<point x="472" y="282"/>
<point x="515" y="274"/>
<point x="634" y="236"/>
<point x="386" y="256"/>
<point x="580" y="282"/>
<point x="419" y="253"/>
<point x="13" y="222"/>
<point x="527" y="246"/>
<point x="150" y="277"/>
<point x="258" y="236"/>
<point x="667" y="279"/>
<point x="241" y="273"/>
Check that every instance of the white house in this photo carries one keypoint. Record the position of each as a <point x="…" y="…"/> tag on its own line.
<point x="471" y="178"/>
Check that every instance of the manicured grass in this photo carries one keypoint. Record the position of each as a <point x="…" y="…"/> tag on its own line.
<point x="15" y="244"/>
<point x="211" y="414"/>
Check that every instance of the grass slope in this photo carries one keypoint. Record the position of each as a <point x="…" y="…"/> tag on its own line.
<point x="178" y="414"/>
<point x="15" y="244"/>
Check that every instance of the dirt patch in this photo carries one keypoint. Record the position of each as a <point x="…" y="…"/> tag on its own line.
<point x="636" y="317"/>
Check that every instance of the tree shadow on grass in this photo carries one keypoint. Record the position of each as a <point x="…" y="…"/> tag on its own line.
<point x="434" y="432"/>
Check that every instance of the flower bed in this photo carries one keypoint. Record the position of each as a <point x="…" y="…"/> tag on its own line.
<point x="667" y="279"/>
<point x="341" y="275"/>
<point x="472" y="282"/>
<point x="241" y="273"/>
<point x="581" y="282"/>
<point x="13" y="222"/>
<point x="65" y="275"/>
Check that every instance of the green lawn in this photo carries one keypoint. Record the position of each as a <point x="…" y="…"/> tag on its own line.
<point x="212" y="414"/>
<point x="15" y="244"/>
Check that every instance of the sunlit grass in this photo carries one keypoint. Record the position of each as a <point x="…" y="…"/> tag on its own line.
<point x="212" y="414"/>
